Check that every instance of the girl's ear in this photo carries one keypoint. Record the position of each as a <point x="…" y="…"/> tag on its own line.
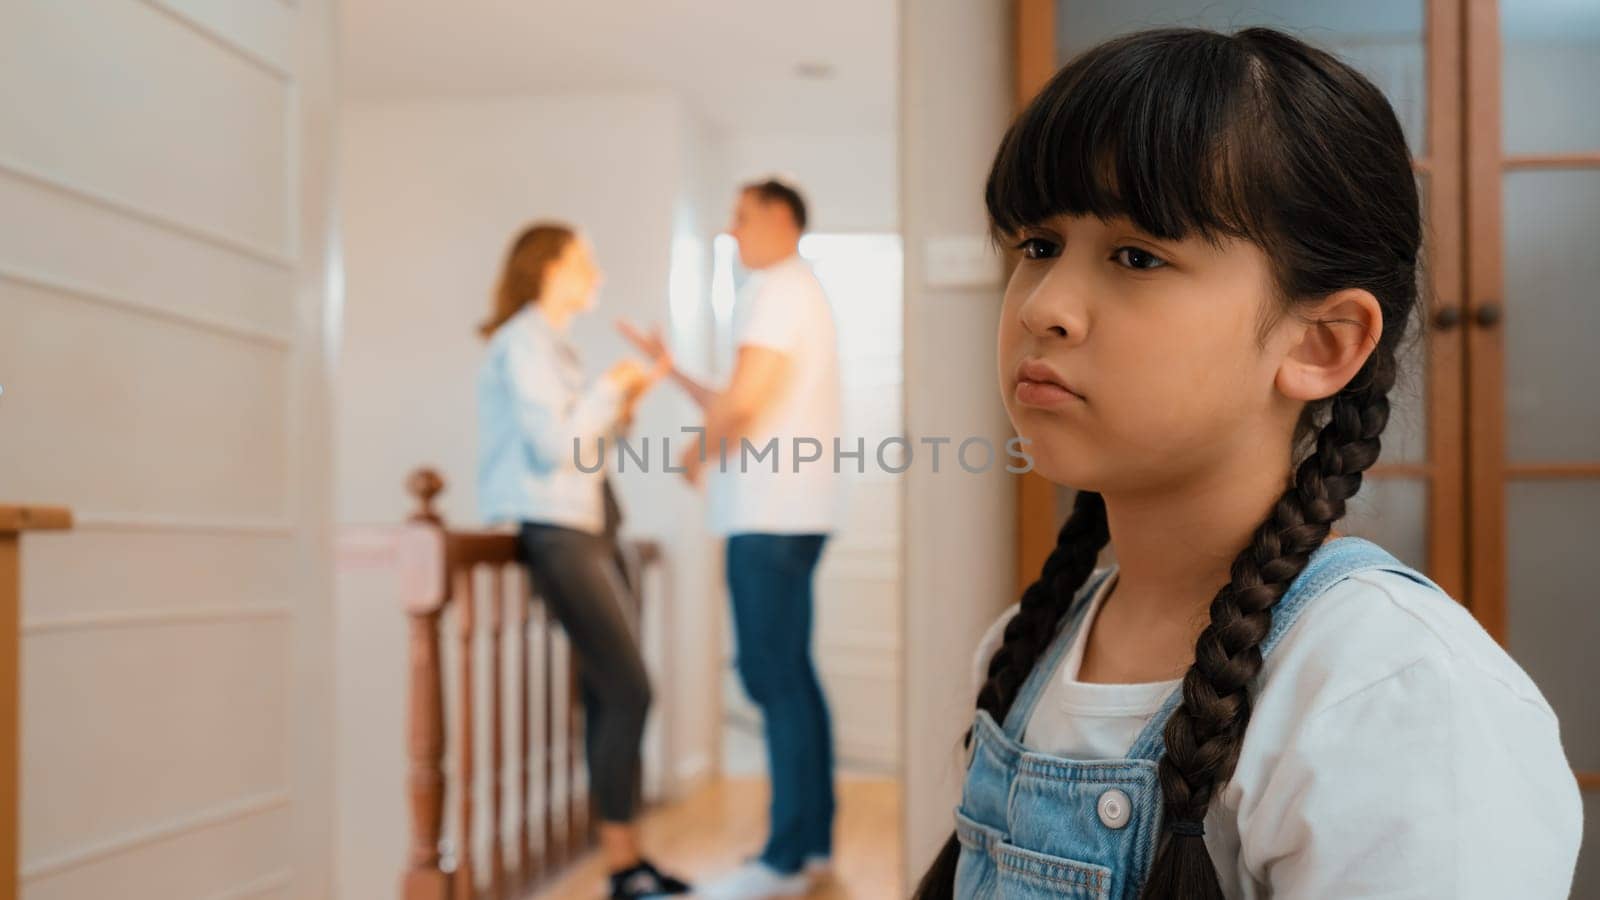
<point x="1334" y="339"/>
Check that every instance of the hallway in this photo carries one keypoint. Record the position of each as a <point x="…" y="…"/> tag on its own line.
<point x="714" y="828"/>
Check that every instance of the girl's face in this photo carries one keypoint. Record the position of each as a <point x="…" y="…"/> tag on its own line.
<point x="1132" y="363"/>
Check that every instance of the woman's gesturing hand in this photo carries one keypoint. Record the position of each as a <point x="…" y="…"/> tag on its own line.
<point x="631" y="378"/>
<point x="649" y="343"/>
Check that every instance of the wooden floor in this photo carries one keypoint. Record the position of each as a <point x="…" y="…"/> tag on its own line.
<point x="723" y="824"/>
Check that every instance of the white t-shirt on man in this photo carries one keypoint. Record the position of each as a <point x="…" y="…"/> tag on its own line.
<point x="783" y="308"/>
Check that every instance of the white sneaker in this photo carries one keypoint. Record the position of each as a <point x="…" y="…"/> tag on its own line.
<point x="818" y="868"/>
<point x="754" y="881"/>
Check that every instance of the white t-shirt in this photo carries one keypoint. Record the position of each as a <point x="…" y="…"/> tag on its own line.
<point x="784" y="308"/>
<point x="1394" y="750"/>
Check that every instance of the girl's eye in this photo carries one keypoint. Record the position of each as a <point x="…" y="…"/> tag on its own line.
<point x="1038" y="248"/>
<point x="1134" y="258"/>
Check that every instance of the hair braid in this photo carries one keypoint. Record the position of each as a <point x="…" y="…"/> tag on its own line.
<point x="1204" y="734"/>
<point x="1029" y="632"/>
<point x="1045" y="601"/>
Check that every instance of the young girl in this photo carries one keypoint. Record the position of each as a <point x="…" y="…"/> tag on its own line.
<point x="1219" y="239"/>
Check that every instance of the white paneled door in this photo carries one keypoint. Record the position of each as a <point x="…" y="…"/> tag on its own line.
<point x="165" y="249"/>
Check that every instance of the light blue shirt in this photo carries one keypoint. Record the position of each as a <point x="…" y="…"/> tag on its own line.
<point x="536" y="423"/>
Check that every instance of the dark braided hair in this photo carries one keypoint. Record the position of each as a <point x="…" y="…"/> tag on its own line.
<point x="1029" y="632"/>
<point x="1045" y="602"/>
<point x="1256" y="136"/>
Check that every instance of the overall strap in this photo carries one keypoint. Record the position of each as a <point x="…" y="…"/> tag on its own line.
<point x="1331" y="563"/>
<point x="1033" y="687"/>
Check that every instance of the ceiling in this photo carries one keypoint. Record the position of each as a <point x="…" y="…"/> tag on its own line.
<point x="734" y="61"/>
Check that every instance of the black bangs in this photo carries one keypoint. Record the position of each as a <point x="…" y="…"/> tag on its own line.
<point x="1161" y="127"/>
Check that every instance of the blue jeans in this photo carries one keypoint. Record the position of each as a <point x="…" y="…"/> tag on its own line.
<point x="769" y="576"/>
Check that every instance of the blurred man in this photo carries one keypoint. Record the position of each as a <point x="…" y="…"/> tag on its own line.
<point x="776" y="504"/>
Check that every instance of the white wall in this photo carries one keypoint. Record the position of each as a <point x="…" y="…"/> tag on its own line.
<point x="373" y="829"/>
<point x="690" y="682"/>
<point x="165" y="235"/>
<point x="859" y="583"/>
<point x="432" y="193"/>
<point x="848" y="179"/>
<point x="960" y="529"/>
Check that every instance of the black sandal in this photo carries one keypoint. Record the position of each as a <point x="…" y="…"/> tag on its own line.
<point x="645" y="880"/>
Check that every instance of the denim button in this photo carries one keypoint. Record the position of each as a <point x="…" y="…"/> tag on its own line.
<point x="1114" y="808"/>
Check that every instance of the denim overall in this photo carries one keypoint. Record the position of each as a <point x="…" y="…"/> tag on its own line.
<point x="1034" y="826"/>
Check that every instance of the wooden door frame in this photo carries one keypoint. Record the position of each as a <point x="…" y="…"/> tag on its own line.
<point x="1485" y="371"/>
<point x="1488" y="468"/>
<point x="14" y="520"/>
<point x="1445" y="261"/>
<point x="1034" y="32"/>
<point x="1444" y="470"/>
<point x="10" y="713"/>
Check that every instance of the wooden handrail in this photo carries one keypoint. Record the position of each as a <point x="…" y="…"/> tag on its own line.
<point x="13" y="521"/>
<point x="438" y="570"/>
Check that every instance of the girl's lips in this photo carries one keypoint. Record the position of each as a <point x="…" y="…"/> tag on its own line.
<point x="1045" y="395"/>
<point x="1040" y="385"/>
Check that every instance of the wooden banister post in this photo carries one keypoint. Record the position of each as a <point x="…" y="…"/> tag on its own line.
<point x="497" y="861"/>
<point x="422" y="579"/>
<point x="13" y="521"/>
<point x="466" y="622"/>
<point x="525" y="864"/>
<point x="425" y="484"/>
<point x="439" y="566"/>
<point x="424" y="880"/>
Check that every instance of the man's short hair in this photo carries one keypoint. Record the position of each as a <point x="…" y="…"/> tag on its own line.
<point x="774" y="191"/>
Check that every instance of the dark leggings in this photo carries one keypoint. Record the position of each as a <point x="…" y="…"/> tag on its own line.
<point x="584" y="588"/>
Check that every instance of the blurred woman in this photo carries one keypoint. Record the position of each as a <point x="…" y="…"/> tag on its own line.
<point x="540" y="427"/>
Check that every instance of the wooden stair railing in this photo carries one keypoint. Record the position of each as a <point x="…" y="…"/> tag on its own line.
<point x="13" y="521"/>
<point x="439" y="575"/>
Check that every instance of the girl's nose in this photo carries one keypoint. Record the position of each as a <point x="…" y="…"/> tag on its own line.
<point x="1054" y="309"/>
<point x="1038" y="327"/>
